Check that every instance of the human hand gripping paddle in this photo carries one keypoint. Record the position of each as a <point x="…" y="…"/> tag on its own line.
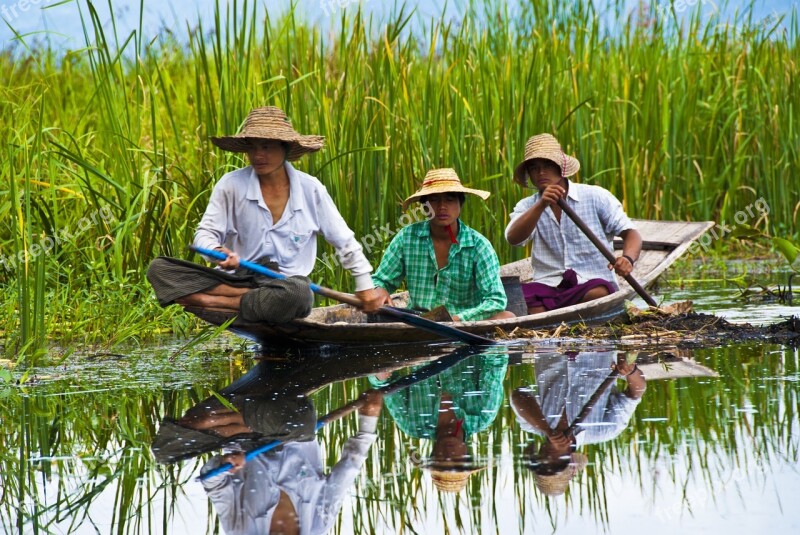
<point x="426" y="372"/>
<point x="604" y="250"/>
<point x="349" y="299"/>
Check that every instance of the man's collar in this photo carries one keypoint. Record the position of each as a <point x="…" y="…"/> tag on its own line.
<point x="464" y="238"/>
<point x="572" y="191"/>
<point x="295" y="189"/>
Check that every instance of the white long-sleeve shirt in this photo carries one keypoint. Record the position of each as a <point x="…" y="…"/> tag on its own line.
<point x="564" y="385"/>
<point x="238" y="218"/>
<point x="246" y="501"/>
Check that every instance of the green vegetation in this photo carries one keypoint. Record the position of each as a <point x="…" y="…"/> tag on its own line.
<point x="107" y="162"/>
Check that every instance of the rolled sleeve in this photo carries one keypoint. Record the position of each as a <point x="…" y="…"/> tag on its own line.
<point x="349" y="251"/>
<point x="391" y="270"/>
<point x="522" y="206"/>
<point x="213" y="227"/>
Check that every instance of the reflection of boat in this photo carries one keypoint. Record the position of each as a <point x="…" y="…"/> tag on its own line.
<point x="664" y="243"/>
<point x="664" y="365"/>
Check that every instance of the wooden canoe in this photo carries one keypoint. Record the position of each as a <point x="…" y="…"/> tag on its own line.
<point x="663" y="243"/>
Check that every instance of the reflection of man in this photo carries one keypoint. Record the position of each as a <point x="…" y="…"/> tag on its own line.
<point x="573" y="403"/>
<point x="287" y="491"/>
<point x="449" y="408"/>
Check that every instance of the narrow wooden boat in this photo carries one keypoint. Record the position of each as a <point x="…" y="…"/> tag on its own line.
<point x="664" y="242"/>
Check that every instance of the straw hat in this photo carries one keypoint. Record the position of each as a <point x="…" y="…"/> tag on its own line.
<point x="451" y="475"/>
<point x="270" y="122"/>
<point x="443" y="181"/>
<point x="547" y="147"/>
<point x="556" y="484"/>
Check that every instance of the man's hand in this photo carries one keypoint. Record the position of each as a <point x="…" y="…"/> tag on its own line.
<point x="372" y="403"/>
<point x="552" y="194"/>
<point x="622" y="266"/>
<point x="236" y="459"/>
<point x="373" y="299"/>
<point x="232" y="262"/>
<point x="559" y="439"/>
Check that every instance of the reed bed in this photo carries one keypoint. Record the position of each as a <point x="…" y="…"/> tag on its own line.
<point x="107" y="158"/>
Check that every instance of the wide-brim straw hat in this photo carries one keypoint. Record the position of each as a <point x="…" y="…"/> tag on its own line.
<point x="452" y="475"/>
<point x="443" y="181"/>
<point x="269" y="122"/>
<point x="556" y="484"/>
<point x="546" y="147"/>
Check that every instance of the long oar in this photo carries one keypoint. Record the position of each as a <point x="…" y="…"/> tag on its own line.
<point x="426" y="372"/>
<point x="604" y="250"/>
<point x="422" y="323"/>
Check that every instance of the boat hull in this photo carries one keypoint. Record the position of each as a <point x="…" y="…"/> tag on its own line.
<point x="664" y="242"/>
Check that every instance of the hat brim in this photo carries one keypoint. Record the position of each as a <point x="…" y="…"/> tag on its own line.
<point x="521" y="175"/>
<point x="436" y="191"/>
<point x="298" y="146"/>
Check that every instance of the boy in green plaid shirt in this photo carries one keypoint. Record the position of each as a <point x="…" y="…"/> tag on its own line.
<point x="443" y="261"/>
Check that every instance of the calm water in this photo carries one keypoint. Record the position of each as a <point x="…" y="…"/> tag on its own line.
<point x="710" y="444"/>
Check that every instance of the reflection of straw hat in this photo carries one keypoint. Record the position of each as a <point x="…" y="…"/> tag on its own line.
<point x="556" y="484"/>
<point x="270" y="122"/>
<point x="547" y="147"/>
<point x="443" y="181"/>
<point x="452" y="476"/>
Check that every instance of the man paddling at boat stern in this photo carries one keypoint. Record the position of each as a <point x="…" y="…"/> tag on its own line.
<point x="268" y="213"/>
<point x="567" y="268"/>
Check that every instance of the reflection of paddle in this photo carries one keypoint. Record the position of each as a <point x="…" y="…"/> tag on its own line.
<point x="592" y="401"/>
<point x="604" y="250"/>
<point x="538" y="419"/>
<point x="426" y="372"/>
<point x="410" y="319"/>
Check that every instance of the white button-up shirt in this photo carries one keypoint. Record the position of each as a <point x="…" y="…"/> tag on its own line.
<point x="559" y="247"/>
<point x="245" y="501"/>
<point x="238" y="218"/>
<point x="565" y="386"/>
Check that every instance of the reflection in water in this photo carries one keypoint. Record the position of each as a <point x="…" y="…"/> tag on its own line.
<point x="286" y="489"/>
<point x="574" y="402"/>
<point x="700" y="451"/>
<point x="448" y="409"/>
<point x="281" y="486"/>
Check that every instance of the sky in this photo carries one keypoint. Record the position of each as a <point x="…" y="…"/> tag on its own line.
<point x="59" y="20"/>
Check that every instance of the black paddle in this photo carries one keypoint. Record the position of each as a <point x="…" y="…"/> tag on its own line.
<point x="604" y="250"/>
<point x="349" y="299"/>
<point x="426" y="372"/>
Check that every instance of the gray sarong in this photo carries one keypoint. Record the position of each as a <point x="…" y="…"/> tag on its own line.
<point x="271" y="300"/>
<point x="283" y="418"/>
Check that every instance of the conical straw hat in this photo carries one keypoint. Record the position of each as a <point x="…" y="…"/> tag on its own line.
<point x="547" y="147"/>
<point x="443" y="181"/>
<point x="270" y="122"/>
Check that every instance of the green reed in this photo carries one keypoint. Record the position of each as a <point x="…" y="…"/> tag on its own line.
<point x="690" y="123"/>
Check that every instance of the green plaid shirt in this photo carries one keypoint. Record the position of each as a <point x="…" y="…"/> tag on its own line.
<point x="469" y="286"/>
<point x="475" y="385"/>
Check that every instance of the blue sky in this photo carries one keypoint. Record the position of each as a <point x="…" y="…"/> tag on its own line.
<point x="59" y="20"/>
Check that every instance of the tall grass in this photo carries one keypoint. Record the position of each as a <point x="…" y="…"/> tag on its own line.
<point x="689" y="122"/>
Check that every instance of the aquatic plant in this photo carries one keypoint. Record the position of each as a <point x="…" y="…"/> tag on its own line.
<point x="681" y="118"/>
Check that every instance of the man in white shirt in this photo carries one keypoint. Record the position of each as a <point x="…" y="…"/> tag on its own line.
<point x="270" y="213"/>
<point x="287" y="491"/>
<point x="567" y="268"/>
<point x="574" y="402"/>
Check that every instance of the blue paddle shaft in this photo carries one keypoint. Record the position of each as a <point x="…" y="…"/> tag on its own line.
<point x="258" y="268"/>
<point x="410" y="319"/>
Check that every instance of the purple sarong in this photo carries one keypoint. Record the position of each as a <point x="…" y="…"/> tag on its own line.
<point x="568" y="292"/>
